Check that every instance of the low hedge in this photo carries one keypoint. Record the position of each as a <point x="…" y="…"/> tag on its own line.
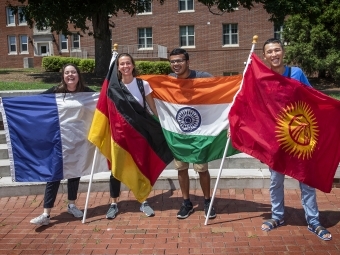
<point x="55" y="63"/>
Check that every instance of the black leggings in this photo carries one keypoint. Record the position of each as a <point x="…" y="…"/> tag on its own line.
<point x="114" y="187"/>
<point x="51" y="191"/>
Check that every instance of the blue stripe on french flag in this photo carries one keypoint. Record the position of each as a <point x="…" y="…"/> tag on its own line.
<point x="47" y="136"/>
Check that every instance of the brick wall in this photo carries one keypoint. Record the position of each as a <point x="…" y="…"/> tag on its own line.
<point x="207" y="55"/>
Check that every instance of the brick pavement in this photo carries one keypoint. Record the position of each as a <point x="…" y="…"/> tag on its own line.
<point x="236" y="229"/>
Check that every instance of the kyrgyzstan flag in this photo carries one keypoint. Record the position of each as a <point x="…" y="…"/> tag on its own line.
<point x="194" y="114"/>
<point x="129" y="137"/>
<point x="291" y="127"/>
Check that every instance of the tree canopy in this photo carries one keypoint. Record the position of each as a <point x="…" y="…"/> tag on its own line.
<point x="57" y="15"/>
<point x="312" y="40"/>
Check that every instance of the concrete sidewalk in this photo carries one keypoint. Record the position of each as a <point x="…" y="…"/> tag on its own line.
<point x="236" y="229"/>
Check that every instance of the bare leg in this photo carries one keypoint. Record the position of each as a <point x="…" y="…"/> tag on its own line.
<point x="183" y="179"/>
<point x="205" y="183"/>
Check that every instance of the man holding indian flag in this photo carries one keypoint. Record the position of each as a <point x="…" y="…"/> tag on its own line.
<point x="193" y="111"/>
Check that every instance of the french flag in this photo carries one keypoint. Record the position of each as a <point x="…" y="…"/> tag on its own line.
<point x="47" y="136"/>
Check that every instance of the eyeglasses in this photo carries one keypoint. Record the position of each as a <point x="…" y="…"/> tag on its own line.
<point x="177" y="61"/>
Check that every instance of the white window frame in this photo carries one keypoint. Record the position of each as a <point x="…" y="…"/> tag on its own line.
<point x="278" y="32"/>
<point x="73" y="49"/>
<point x="24" y="21"/>
<point x="143" y="35"/>
<point x="186" y="6"/>
<point x="12" y="43"/>
<point x="10" y="17"/>
<point x="146" y="2"/>
<point x="230" y="35"/>
<point x="63" y="39"/>
<point x="23" y="41"/>
<point x="186" y="35"/>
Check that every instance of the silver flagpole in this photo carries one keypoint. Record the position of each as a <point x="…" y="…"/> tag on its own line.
<point x="255" y="37"/>
<point x="90" y="184"/>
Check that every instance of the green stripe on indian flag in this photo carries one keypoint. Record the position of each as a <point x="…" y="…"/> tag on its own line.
<point x="196" y="149"/>
<point x="201" y="120"/>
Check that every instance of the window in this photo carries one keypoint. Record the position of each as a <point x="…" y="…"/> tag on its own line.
<point x="145" y="37"/>
<point x="12" y="44"/>
<point x="187" y="36"/>
<point x="75" y="42"/>
<point x="230" y="34"/>
<point x="147" y="6"/>
<point x="10" y="17"/>
<point x="278" y="32"/>
<point x="21" y="17"/>
<point x="63" y="43"/>
<point x="23" y="44"/>
<point x="186" y="5"/>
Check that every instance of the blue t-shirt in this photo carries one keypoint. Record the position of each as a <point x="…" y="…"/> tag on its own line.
<point x="297" y="74"/>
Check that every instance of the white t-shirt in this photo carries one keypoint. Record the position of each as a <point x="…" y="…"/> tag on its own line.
<point x="134" y="90"/>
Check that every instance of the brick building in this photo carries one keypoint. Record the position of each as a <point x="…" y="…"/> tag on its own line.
<point x="218" y="44"/>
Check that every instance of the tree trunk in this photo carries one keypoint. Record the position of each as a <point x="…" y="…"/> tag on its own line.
<point x="102" y="44"/>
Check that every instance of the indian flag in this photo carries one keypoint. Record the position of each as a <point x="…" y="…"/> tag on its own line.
<point x="194" y="114"/>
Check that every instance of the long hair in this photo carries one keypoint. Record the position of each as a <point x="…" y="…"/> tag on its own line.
<point x="134" y="71"/>
<point x="62" y="87"/>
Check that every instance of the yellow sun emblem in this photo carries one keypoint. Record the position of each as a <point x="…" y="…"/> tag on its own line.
<point x="297" y="130"/>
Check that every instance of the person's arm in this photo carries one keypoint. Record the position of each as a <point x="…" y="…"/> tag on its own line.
<point x="151" y="103"/>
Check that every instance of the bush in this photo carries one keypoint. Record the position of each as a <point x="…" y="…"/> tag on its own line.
<point x="86" y="65"/>
<point x="52" y="64"/>
<point x="55" y="63"/>
<point x="153" y="67"/>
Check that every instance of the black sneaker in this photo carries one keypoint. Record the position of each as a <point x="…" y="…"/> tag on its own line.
<point x="185" y="211"/>
<point x="212" y="211"/>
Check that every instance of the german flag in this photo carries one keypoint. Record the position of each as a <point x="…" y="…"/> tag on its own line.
<point x="129" y="137"/>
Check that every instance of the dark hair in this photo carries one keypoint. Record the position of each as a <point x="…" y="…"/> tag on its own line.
<point x="134" y="71"/>
<point x="179" y="51"/>
<point x="273" y="40"/>
<point x="62" y="87"/>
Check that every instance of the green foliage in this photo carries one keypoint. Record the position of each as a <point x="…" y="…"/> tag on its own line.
<point x="54" y="64"/>
<point x="87" y="65"/>
<point x="313" y="42"/>
<point x="153" y="67"/>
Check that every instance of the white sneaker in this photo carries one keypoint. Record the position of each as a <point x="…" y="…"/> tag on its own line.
<point x="41" y="220"/>
<point x="145" y="208"/>
<point x="72" y="209"/>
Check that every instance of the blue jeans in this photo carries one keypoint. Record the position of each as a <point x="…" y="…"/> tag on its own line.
<point x="308" y="199"/>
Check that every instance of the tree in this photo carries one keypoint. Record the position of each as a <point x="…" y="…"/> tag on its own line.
<point x="312" y="40"/>
<point x="58" y="14"/>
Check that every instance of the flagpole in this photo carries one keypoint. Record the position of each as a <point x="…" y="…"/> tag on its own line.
<point x="90" y="184"/>
<point x="255" y="37"/>
<point x="113" y="57"/>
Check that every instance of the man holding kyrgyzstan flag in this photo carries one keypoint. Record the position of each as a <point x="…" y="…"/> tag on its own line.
<point x="278" y="118"/>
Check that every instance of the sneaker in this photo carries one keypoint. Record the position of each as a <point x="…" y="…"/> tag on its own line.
<point x="74" y="211"/>
<point x="185" y="211"/>
<point x="41" y="220"/>
<point x="212" y="211"/>
<point x="112" y="212"/>
<point x="145" y="208"/>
